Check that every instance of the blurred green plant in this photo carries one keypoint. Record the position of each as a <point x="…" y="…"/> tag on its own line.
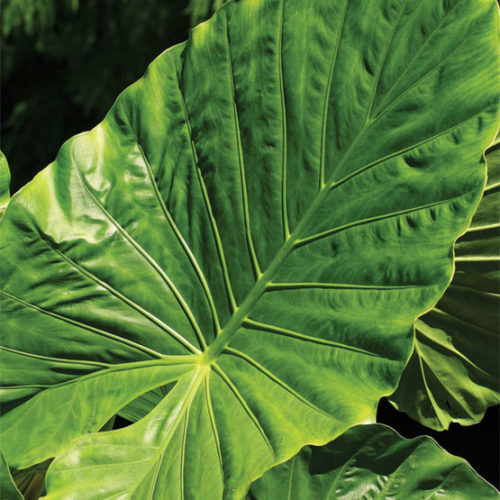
<point x="68" y="60"/>
<point x="31" y="18"/>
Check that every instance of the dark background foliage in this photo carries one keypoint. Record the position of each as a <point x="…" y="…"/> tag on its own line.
<point x="63" y="64"/>
<point x="65" y="61"/>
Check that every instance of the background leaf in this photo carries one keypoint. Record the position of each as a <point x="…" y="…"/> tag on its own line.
<point x="199" y="10"/>
<point x="4" y="183"/>
<point x="254" y="228"/>
<point x="373" y="461"/>
<point x="65" y="61"/>
<point x="453" y="374"/>
<point x="8" y="489"/>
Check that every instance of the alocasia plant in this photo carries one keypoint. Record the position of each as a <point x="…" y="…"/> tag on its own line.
<point x="251" y="232"/>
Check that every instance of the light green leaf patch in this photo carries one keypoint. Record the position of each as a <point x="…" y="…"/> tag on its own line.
<point x="253" y="229"/>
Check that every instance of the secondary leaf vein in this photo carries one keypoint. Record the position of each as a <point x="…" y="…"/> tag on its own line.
<point x="246" y="212"/>
<point x="235" y="352"/>
<point x="180" y="299"/>
<point x="258" y="326"/>
<point x="245" y="406"/>
<point x="208" y="206"/>
<point x="85" y="326"/>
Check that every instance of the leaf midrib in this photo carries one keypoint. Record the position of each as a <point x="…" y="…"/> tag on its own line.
<point x="264" y="280"/>
<point x="261" y="285"/>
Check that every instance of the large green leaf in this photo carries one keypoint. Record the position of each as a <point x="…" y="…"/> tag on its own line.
<point x="253" y="228"/>
<point x="453" y="373"/>
<point x="372" y="462"/>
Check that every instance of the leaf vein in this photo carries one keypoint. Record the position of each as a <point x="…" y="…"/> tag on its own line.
<point x="257" y="326"/>
<point x="284" y="138"/>
<point x="54" y="359"/>
<point x="84" y="326"/>
<point x="245" y="406"/>
<point x="151" y="317"/>
<point x="417" y="54"/>
<point x="192" y="259"/>
<point x="180" y="299"/>
<point x="276" y="287"/>
<point x="212" y="420"/>
<point x="277" y="380"/>
<point x="384" y="59"/>
<point x="333" y="64"/>
<point x="377" y="218"/>
<point x="208" y="206"/>
<point x="246" y="212"/>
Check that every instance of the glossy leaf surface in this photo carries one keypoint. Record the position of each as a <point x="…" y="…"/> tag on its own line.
<point x="373" y="462"/>
<point x="453" y="373"/>
<point x="253" y="229"/>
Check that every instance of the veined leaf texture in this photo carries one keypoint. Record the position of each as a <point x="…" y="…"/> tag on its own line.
<point x="453" y="373"/>
<point x="253" y="229"/>
<point x="373" y="461"/>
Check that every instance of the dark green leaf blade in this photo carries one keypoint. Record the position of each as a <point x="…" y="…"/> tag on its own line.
<point x="200" y="10"/>
<point x="8" y="489"/>
<point x="373" y="461"/>
<point x="453" y="374"/>
<point x="256" y="227"/>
